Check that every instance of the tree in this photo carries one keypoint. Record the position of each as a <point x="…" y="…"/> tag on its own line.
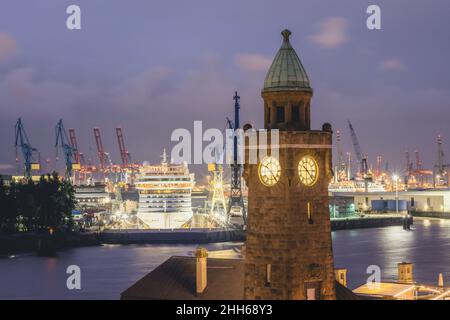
<point x="8" y="209"/>
<point x="30" y="206"/>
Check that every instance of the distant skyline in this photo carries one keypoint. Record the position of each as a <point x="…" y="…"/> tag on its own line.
<point x="154" y="66"/>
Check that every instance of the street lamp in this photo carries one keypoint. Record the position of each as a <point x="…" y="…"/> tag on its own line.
<point x="395" y="179"/>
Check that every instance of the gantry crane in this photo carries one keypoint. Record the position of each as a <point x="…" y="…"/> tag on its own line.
<point x="28" y="151"/>
<point x="378" y="170"/>
<point x="124" y="154"/>
<point x="62" y="141"/>
<point x="85" y="169"/>
<point x="360" y="156"/>
<point x="236" y="203"/>
<point x="441" y="168"/>
<point x="73" y="142"/>
<point x="409" y="168"/>
<point x="102" y="156"/>
<point x="341" y="173"/>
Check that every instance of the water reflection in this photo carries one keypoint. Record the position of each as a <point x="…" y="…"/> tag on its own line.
<point x="110" y="269"/>
<point x="426" y="246"/>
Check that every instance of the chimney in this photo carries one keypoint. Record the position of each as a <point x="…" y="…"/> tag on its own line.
<point x="201" y="269"/>
<point x="441" y="281"/>
<point x="405" y="272"/>
<point x="341" y="276"/>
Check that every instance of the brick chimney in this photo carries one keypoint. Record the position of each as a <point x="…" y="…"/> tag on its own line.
<point x="201" y="270"/>
<point x="405" y="272"/>
<point x="441" y="280"/>
<point x="341" y="276"/>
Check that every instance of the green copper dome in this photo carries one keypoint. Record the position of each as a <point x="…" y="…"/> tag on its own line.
<point x="286" y="71"/>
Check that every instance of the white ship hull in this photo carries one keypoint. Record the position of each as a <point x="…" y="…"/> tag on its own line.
<point x="165" y="220"/>
<point x="165" y="195"/>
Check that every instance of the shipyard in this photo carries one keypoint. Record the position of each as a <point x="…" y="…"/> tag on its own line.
<point x="127" y="195"/>
<point x="253" y="152"/>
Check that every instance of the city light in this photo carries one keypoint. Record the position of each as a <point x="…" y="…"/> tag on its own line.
<point x="213" y="154"/>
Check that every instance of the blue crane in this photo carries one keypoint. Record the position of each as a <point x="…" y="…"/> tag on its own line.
<point x="236" y="197"/>
<point x="28" y="151"/>
<point x="62" y="141"/>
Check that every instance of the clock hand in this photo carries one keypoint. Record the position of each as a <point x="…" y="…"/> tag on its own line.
<point x="270" y="171"/>
<point x="310" y="174"/>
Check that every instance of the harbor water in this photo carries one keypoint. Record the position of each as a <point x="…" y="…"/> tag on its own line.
<point x="108" y="270"/>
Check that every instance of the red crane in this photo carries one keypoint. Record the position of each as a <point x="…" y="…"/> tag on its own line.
<point x="73" y="142"/>
<point x="85" y="169"/>
<point x="124" y="154"/>
<point x="101" y="152"/>
<point x="418" y="162"/>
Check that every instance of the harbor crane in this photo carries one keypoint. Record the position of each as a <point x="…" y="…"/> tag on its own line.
<point x="62" y="141"/>
<point x="409" y="168"/>
<point x="73" y="142"/>
<point x="341" y="173"/>
<point x="124" y="154"/>
<point x="102" y="156"/>
<point x="218" y="205"/>
<point x="362" y="158"/>
<point x="84" y="168"/>
<point x="441" y="168"/>
<point x="106" y="164"/>
<point x="418" y="162"/>
<point x="236" y="203"/>
<point x="28" y="151"/>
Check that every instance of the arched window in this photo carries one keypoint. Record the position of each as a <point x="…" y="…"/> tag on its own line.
<point x="280" y="114"/>
<point x="296" y="113"/>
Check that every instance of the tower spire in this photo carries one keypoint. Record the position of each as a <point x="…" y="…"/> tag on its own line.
<point x="287" y="91"/>
<point x="286" y="34"/>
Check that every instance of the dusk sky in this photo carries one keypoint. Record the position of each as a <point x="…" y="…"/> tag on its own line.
<point x="154" y="66"/>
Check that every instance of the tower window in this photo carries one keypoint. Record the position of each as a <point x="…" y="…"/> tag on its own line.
<point x="280" y="114"/>
<point x="309" y="210"/>
<point x="268" y="274"/>
<point x="312" y="290"/>
<point x="295" y="113"/>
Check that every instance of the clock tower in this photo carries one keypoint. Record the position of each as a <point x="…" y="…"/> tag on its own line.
<point x="288" y="251"/>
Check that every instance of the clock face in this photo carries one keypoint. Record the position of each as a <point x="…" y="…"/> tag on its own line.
<point x="308" y="170"/>
<point x="269" y="171"/>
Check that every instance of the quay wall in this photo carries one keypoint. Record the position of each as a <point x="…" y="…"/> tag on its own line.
<point x="172" y="236"/>
<point x="23" y="242"/>
<point x="438" y="215"/>
<point x="365" y="222"/>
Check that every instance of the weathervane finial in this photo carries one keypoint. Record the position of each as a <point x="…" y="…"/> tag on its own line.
<point x="286" y="33"/>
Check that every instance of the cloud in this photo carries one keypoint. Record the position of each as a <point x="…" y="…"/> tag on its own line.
<point x="253" y="61"/>
<point x="6" y="166"/>
<point x="332" y="33"/>
<point x="8" y="46"/>
<point x="392" y="64"/>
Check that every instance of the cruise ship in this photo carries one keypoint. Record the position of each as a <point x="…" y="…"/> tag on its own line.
<point x="356" y="186"/>
<point x="165" y="195"/>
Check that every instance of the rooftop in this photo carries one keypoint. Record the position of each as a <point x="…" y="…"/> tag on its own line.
<point x="384" y="289"/>
<point x="175" y="280"/>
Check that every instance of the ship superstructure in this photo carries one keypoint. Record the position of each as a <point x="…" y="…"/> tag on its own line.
<point x="165" y="195"/>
